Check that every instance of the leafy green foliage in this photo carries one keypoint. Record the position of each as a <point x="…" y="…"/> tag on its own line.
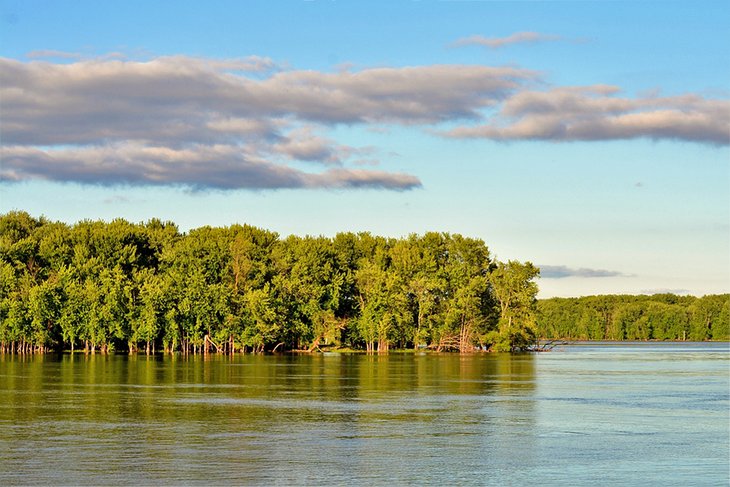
<point x="147" y="286"/>
<point x="516" y="292"/>
<point x="623" y="317"/>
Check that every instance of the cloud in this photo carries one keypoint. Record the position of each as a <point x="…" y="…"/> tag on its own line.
<point x="498" y="42"/>
<point x="199" y="167"/>
<point x="407" y="95"/>
<point x="304" y="144"/>
<point x="112" y="200"/>
<point x="220" y="123"/>
<point x="173" y="98"/>
<point x="561" y="271"/>
<point x="594" y="113"/>
<point x="52" y="53"/>
<point x="234" y="123"/>
<point x="247" y="122"/>
<point x="666" y="291"/>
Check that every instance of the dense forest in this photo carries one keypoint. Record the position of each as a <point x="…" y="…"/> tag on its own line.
<point x="105" y="286"/>
<point x="124" y="286"/>
<point x="656" y="317"/>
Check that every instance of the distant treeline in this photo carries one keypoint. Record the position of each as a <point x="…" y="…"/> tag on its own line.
<point x="124" y="286"/>
<point x="655" y="317"/>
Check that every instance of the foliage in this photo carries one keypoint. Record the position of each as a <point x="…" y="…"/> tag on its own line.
<point x="624" y="317"/>
<point x="118" y="285"/>
<point x="516" y="291"/>
<point x="147" y="286"/>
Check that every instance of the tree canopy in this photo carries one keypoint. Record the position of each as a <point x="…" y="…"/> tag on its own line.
<point x="625" y="317"/>
<point x="124" y="286"/>
<point x="148" y="286"/>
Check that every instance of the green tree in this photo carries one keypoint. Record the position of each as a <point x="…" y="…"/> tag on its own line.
<point x="514" y="287"/>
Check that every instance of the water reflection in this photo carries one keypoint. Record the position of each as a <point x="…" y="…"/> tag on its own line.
<point x="330" y="418"/>
<point x="254" y="417"/>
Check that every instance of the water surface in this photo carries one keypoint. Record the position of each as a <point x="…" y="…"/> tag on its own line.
<point x="594" y="414"/>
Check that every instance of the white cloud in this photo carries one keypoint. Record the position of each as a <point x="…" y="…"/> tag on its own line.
<point x="678" y="291"/>
<point x="498" y="42"/>
<point x="52" y="53"/>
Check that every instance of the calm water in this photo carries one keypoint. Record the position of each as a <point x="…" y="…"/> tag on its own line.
<point x="590" y="415"/>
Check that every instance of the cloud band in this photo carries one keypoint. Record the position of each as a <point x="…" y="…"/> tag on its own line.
<point x="561" y="272"/>
<point x="249" y="123"/>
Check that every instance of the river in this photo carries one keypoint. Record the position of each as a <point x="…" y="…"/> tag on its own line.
<point x="595" y="414"/>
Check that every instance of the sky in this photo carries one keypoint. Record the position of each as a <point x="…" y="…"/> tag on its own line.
<point x="588" y="137"/>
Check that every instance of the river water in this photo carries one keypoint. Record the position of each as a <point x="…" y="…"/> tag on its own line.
<point x="581" y="415"/>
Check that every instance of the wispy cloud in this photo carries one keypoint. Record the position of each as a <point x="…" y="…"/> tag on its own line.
<point x="117" y="199"/>
<point x="304" y="144"/>
<point x="593" y="113"/>
<point x="561" y="271"/>
<point x="666" y="291"/>
<point x="499" y="42"/>
<point x="53" y="54"/>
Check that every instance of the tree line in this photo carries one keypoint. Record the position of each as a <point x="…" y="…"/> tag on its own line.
<point x="622" y="317"/>
<point x="123" y="286"/>
<point x="105" y="286"/>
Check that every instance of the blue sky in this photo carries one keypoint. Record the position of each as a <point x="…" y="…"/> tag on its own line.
<point x="590" y="138"/>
